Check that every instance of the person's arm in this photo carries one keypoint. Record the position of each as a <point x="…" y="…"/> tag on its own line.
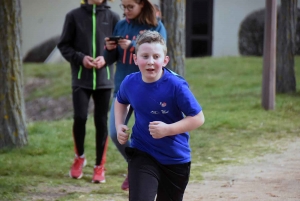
<point x="160" y="129"/>
<point x="120" y="115"/>
<point x="65" y="44"/>
<point x="111" y="51"/>
<point x="187" y="124"/>
<point x="110" y="55"/>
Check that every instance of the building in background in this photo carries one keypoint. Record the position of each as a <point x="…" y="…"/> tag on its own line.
<point x="44" y="19"/>
<point x="212" y="26"/>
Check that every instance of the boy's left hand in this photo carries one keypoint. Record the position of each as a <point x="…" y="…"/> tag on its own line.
<point x="158" y="129"/>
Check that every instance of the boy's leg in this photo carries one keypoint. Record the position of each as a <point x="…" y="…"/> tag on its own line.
<point x="143" y="176"/>
<point x="174" y="179"/>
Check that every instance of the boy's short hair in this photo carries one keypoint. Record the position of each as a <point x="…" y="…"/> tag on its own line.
<point x="150" y="37"/>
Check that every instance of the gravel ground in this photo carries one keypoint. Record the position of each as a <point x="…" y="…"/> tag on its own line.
<point x="273" y="177"/>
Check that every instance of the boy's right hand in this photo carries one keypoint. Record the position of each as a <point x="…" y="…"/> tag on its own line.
<point x="88" y="62"/>
<point x="123" y="134"/>
<point x="110" y="45"/>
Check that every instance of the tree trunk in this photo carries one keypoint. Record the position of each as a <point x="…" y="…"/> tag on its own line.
<point x="286" y="47"/>
<point x="13" y="131"/>
<point x="173" y="16"/>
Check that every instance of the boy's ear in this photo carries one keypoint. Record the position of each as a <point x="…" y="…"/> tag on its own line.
<point x="166" y="61"/>
<point x="135" y="59"/>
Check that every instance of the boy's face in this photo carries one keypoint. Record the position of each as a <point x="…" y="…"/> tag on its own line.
<point x="97" y="2"/>
<point x="151" y="59"/>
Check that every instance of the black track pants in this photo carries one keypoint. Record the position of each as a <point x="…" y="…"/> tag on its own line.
<point x="148" y="178"/>
<point x="81" y="98"/>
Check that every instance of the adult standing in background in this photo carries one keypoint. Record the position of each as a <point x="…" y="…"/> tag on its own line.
<point x="81" y="44"/>
<point x="140" y="15"/>
<point x="158" y="11"/>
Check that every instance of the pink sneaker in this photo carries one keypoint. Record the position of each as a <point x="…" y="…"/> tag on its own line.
<point x="76" y="169"/>
<point x="99" y="174"/>
<point x="125" y="185"/>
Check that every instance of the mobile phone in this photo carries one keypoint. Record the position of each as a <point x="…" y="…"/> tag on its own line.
<point x="115" y="38"/>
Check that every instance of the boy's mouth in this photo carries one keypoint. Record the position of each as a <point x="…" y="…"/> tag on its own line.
<point x="150" y="69"/>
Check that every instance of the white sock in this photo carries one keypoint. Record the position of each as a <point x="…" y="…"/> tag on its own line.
<point x="82" y="156"/>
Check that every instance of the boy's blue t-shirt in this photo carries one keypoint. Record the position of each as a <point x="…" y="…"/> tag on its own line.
<point x="166" y="100"/>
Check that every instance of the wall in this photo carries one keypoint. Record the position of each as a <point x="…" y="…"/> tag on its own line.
<point x="227" y="16"/>
<point x="43" y="19"/>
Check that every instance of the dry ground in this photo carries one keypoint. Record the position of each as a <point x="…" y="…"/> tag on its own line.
<point x="273" y="177"/>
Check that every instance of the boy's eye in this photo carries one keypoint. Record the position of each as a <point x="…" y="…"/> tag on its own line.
<point x="145" y="56"/>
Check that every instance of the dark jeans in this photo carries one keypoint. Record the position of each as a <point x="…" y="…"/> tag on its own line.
<point x="148" y="178"/>
<point x="81" y="98"/>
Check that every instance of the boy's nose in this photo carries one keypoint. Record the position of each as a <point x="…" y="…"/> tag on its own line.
<point x="150" y="60"/>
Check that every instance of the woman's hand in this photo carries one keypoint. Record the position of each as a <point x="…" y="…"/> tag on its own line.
<point x="124" y="43"/>
<point x="110" y="45"/>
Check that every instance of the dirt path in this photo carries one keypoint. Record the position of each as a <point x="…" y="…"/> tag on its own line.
<point x="273" y="177"/>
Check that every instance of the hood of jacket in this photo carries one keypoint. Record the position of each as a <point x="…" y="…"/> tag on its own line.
<point x="89" y="7"/>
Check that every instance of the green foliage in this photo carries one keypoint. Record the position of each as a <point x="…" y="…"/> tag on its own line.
<point x="236" y="129"/>
<point x="56" y="79"/>
<point x="236" y="126"/>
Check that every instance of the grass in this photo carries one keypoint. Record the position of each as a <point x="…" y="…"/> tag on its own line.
<point x="237" y="129"/>
<point x="58" y="77"/>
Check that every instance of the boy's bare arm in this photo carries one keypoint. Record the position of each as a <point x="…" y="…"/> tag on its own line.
<point x="159" y="129"/>
<point x="120" y="115"/>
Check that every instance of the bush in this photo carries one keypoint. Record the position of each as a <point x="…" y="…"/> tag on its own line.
<point x="41" y="51"/>
<point x="251" y="34"/>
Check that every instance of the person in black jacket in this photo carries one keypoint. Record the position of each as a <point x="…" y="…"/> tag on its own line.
<point x="82" y="44"/>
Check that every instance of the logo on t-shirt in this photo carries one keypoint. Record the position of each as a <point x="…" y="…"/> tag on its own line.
<point x="163" y="104"/>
